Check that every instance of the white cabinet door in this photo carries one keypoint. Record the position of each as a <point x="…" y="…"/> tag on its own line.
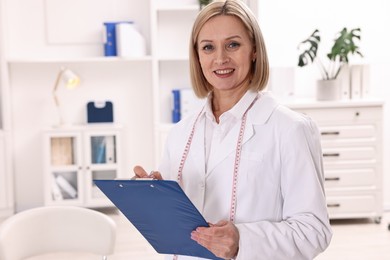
<point x="63" y="168"/>
<point x="102" y="158"/>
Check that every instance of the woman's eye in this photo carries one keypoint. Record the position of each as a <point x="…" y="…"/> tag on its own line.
<point x="208" y="47"/>
<point x="233" y="45"/>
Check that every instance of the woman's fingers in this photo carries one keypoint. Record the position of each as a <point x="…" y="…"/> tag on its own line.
<point x="155" y="175"/>
<point x="140" y="172"/>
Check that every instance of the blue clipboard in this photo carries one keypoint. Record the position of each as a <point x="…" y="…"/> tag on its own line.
<point x="161" y="212"/>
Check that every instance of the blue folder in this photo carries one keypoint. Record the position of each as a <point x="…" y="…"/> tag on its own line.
<point x="161" y="212"/>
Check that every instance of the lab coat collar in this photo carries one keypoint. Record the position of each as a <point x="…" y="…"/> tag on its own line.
<point x="237" y="110"/>
<point x="262" y="110"/>
<point x="257" y="115"/>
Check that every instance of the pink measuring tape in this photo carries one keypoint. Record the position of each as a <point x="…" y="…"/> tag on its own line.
<point x="233" y="201"/>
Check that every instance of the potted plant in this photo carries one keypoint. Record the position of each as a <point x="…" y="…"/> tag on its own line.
<point x="203" y="3"/>
<point x="344" y="46"/>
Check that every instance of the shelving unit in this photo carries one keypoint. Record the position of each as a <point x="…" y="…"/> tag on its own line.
<point x="6" y="179"/>
<point x="74" y="157"/>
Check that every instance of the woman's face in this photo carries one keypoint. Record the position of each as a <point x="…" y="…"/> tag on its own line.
<point x="225" y="53"/>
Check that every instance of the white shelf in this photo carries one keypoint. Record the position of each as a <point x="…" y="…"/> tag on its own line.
<point x="79" y="60"/>
<point x="312" y="103"/>
<point x="170" y="59"/>
<point x="182" y="8"/>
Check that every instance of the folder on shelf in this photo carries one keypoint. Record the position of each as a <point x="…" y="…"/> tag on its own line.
<point x="161" y="212"/>
<point x="110" y="149"/>
<point x="98" y="144"/>
<point x="61" y="150"/>
<point x="55" y="191"/>
<point x="66" y="187"/>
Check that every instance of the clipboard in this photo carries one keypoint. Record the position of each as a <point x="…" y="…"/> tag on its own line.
<point x="161" y="212"/>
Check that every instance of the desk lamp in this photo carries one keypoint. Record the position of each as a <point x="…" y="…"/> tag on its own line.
<point x="71" y="81"/>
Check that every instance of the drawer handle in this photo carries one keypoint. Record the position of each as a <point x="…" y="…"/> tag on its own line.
<point x="332" y="179"/>
<point x="333" y="205"/>
<point x="330" y="133"/>
<point x="331" y="155"/>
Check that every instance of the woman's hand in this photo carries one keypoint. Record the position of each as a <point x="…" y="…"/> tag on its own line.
<point x="222" y="239"/>
<point x="141" y="173"/>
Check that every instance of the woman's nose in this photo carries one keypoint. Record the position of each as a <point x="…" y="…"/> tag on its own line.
<point x="221" y="57"/>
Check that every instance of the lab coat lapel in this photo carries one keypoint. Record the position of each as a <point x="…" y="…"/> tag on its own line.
<point x="229" y="145"/>
<point x="257" y="115"/>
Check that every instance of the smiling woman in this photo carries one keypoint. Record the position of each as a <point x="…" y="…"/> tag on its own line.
<point x="267" y="157"/>
<point x="226" y="54"/>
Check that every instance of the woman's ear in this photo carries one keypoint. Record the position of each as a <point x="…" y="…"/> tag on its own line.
<point x="254" y="56"/>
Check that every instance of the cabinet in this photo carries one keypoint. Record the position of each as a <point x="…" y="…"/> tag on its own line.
<point x="74" y="158"/>
<point x="351" y="138"/>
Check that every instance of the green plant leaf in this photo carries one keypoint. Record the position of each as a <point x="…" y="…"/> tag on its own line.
<point x="204" y="2"/>
<point x="345" y="45"/>
<point x="310" y="53"/>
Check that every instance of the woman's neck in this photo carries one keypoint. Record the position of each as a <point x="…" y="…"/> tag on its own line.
<point x="223" y="101"/>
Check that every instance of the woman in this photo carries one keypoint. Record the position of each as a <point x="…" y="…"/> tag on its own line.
<point x="252" y="167"/>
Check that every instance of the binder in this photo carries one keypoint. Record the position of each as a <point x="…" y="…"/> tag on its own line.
<point x="345" y="82"/>
<point x="365" y="81"/>
<point x="184" y="103"/>
<point x="61" y="150"/>
<point x="176" y="106"/>
<point x="109" y="37"/>
<point x="189" y="102"/>
<point x="110" y="149"/>
<point x="98" y="151"/>
<point x="129" y="41"/>
<point x="161" y="212"/>
<point x="356" y="81"/>
<point x="66" y="187"/>
<point x="100" y="112"/>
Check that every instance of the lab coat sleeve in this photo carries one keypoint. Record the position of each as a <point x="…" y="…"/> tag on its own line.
<point x="304" y="230"/>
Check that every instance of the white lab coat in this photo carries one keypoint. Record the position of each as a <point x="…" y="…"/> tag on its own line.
<point x="281" y="208"/>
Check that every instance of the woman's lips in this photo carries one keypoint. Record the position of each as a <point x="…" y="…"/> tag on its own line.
<point x="223" y="72"/>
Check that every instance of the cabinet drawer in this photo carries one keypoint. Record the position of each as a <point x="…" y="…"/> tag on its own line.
<point x="351" y="178"/>
<point x="347" y="132"/>
<point x="348" y="153"/>
<point x="345" y="115"/>
<point x="353" y="206"/>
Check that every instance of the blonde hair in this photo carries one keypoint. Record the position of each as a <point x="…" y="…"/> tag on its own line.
<point x="260" y="67"/>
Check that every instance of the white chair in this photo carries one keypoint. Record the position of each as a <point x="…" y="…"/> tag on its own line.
<point x="56" y="229"/>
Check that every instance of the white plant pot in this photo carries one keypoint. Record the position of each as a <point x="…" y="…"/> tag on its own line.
<point x="328" y="90"/>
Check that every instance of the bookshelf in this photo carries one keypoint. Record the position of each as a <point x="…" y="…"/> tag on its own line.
<point x="75" y="157"/>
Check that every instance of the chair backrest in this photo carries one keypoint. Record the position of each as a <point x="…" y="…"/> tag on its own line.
<point x="56" y="229"/>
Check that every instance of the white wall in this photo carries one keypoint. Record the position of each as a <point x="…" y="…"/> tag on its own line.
<point x="285" y="23"/>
